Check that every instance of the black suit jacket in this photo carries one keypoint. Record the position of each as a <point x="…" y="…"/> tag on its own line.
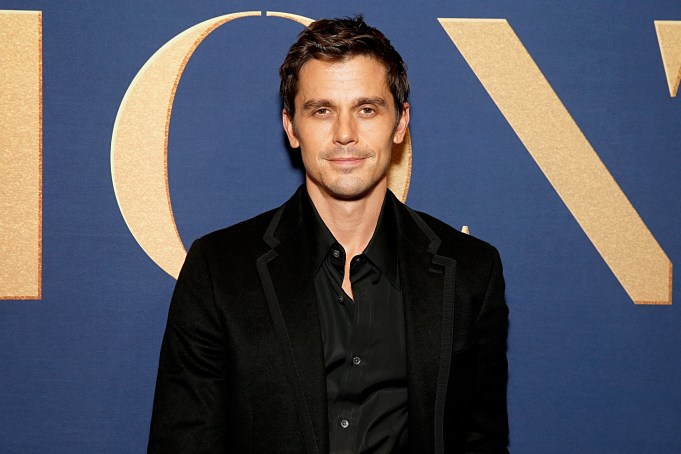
<point x="242" y="366"/>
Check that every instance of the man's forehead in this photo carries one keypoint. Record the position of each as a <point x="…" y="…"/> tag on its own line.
<point x="330" y="63"/>
<point x="354" y="73"/>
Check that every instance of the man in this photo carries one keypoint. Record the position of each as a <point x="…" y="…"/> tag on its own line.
<point x="342" y="321"/>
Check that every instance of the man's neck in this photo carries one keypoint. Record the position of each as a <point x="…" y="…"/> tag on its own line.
<point x="352" y="222"/>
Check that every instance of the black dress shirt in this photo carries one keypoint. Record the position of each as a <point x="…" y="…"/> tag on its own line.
<point x="364" y="339"/>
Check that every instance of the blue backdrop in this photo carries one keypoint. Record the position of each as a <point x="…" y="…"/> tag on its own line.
<point x="590" y="371"/>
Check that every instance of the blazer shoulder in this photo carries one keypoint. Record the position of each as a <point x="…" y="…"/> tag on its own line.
<point x="250" y="227"/>
<point x="243" y="240"/>
<point x="456" y="244"/>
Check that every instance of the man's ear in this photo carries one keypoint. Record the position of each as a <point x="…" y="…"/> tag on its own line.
<point x="290" y="130"/>
<point x="402" y="124"/>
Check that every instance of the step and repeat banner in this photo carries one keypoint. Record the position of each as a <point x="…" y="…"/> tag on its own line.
<point x="549" y="129"/>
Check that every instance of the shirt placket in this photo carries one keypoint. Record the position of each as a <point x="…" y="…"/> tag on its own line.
<point x="356" y="357"/>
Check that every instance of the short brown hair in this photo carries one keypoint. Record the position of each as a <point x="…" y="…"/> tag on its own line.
<point x="335" y="40"/>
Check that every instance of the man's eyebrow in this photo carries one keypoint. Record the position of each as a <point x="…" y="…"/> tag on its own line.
<point x="376" y="101"/>
<point x="312" y="104"/>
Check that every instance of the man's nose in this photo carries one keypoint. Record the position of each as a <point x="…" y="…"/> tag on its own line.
<point x="346" y="129"/>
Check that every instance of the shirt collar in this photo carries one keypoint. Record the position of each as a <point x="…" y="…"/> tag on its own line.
<point x="381" y="250"/>
<point x="319" y="236"/>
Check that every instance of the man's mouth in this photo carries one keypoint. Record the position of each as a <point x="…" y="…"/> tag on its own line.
<point x="346" y="157"/>
<point x="347" y="161"/>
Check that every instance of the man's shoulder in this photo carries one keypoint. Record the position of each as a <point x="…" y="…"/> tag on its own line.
<point x="243" y="240"/>
<point x="454" y="243"/>
<point x="253" y="230"/>
<point x="245" y="230"/>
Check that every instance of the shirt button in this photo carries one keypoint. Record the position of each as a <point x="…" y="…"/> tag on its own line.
<point x="335" y="253"/>
<point x="341" y="299"/>
<point x="356" y="360"/>
<point x="345" y="423"/>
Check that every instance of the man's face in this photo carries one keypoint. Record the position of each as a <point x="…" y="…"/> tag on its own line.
<point x="345" y="125"/>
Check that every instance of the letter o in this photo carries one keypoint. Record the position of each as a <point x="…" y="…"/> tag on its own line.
<point x="139" y="145"/>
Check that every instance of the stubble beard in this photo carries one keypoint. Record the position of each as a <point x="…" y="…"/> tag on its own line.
<point x="352" y="183"/>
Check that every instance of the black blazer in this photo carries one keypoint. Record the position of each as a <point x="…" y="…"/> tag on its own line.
<point x="242" y="367"/>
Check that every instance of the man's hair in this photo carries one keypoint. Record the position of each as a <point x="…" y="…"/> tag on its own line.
<point x="337" y="40"/>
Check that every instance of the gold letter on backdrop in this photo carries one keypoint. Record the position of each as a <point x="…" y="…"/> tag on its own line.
<point x="139" y="146"/>
<point x="539" y="118"/>
<point x="20" y="154"/>
<point x="669" y="38"/>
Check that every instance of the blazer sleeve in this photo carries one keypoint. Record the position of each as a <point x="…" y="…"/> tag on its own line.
<point x="489" y="423"/>
<point x="188" y="411"/>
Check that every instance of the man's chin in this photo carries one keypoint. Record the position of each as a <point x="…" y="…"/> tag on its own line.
<point x="351" y="192"/>
<point x="347" y="189"/>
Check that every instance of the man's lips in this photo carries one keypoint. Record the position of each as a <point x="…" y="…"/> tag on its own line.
<point x="348" y="159"/>
<point x="346" y="162"/>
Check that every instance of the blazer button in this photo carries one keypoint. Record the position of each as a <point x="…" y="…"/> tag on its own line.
<point x="345" y="423"/>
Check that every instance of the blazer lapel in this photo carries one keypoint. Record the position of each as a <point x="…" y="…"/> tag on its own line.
<point x="287" y="275"/>
<point x="428" y="293"/>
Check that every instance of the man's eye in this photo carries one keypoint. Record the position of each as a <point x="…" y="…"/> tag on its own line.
<point x="368" y="110"/>
<point x="322" y="111"/>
